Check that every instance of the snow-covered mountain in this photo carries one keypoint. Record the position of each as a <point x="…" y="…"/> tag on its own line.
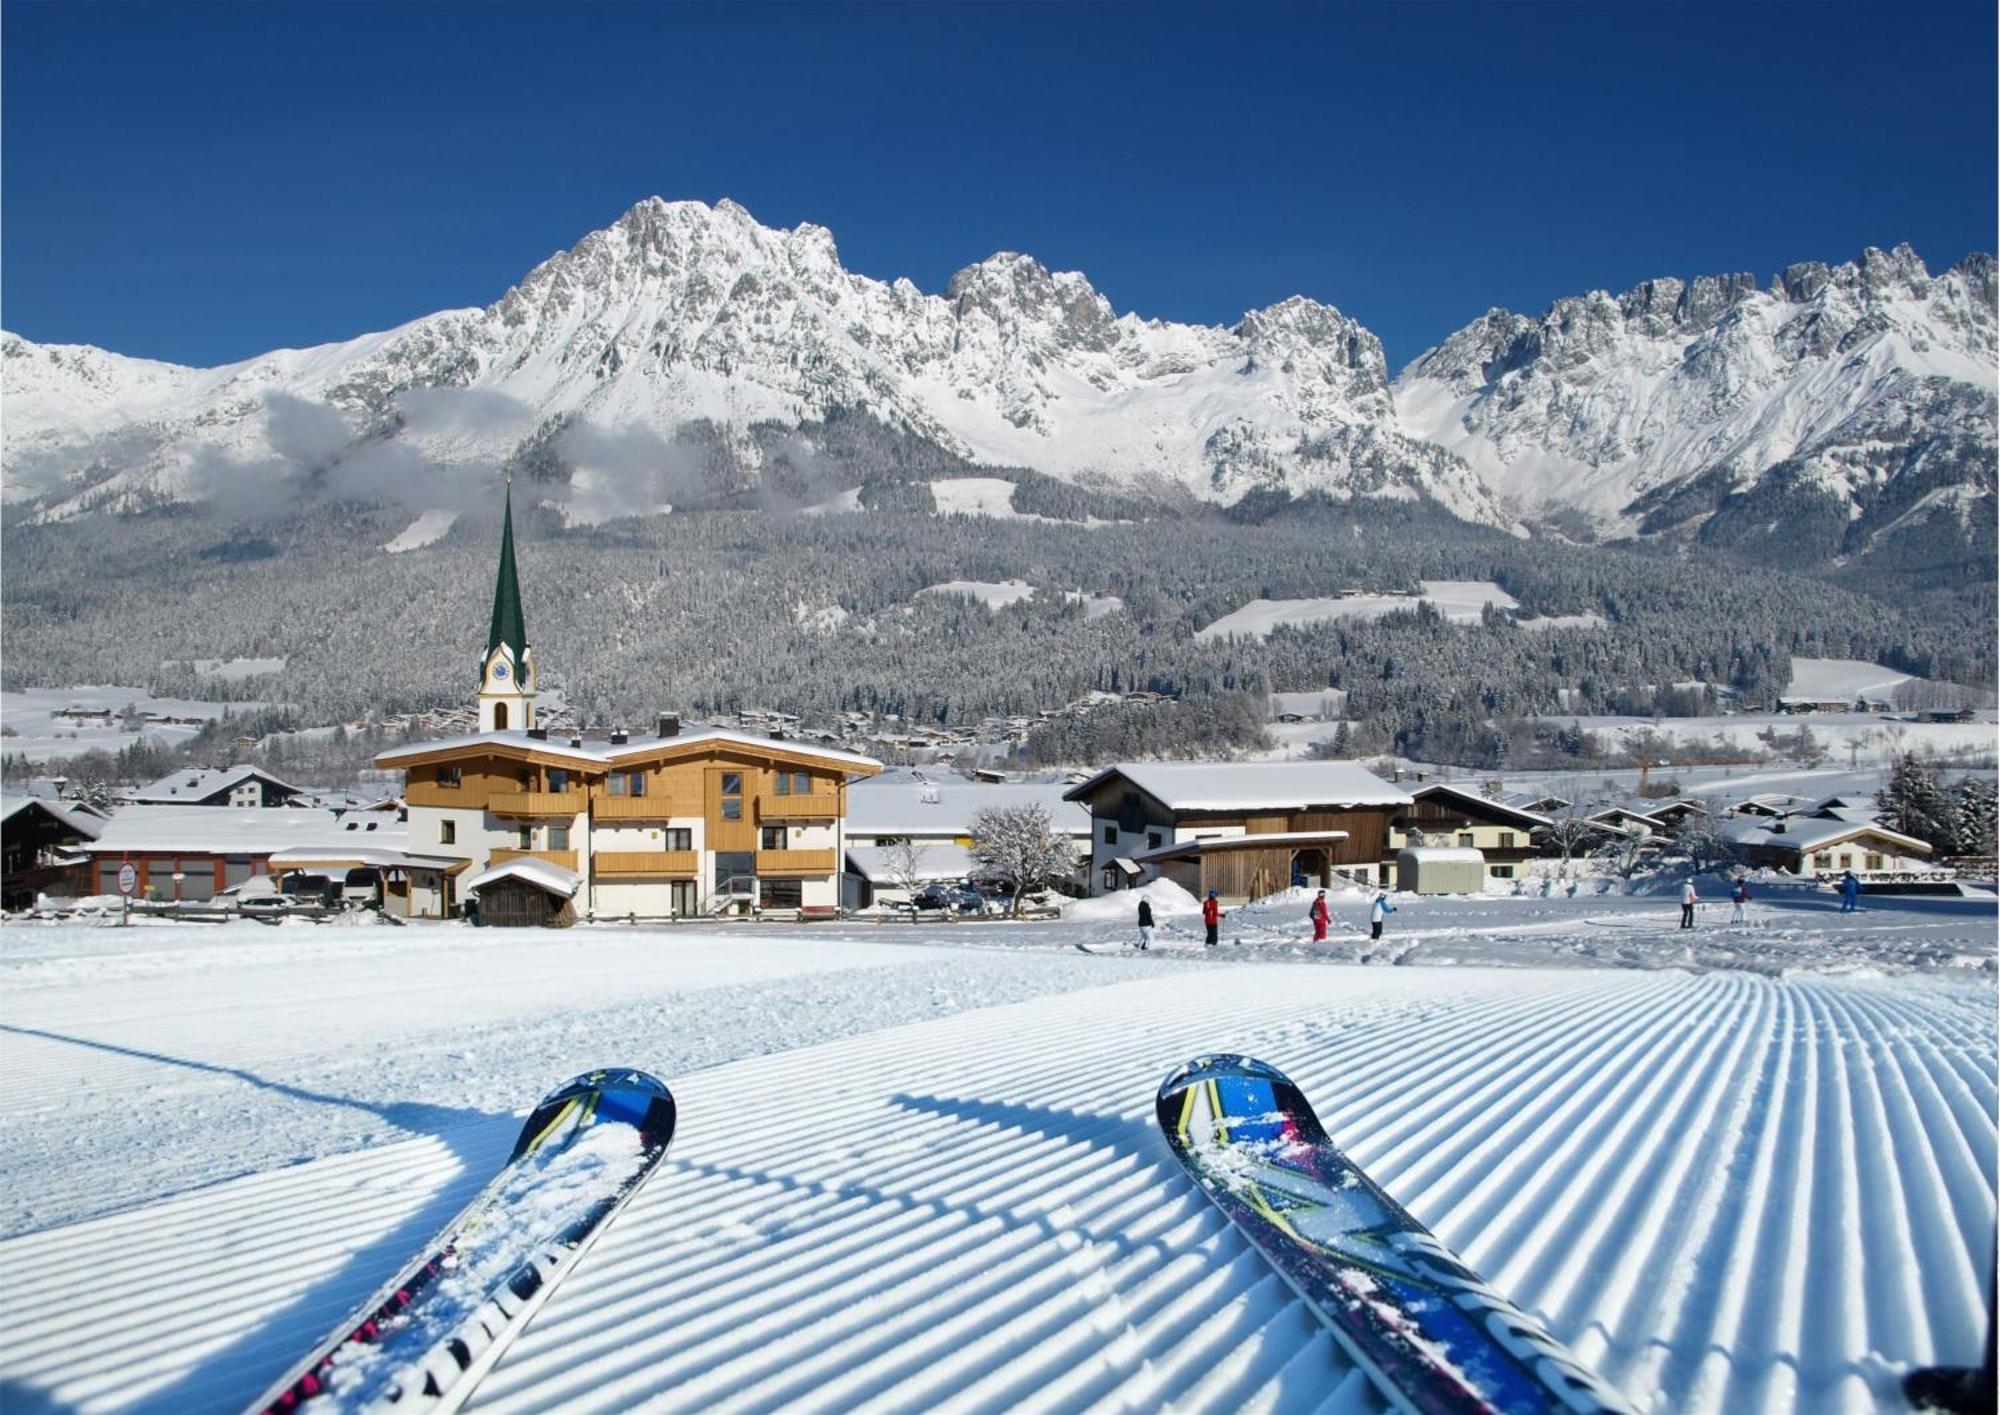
<point x="1825" y="412"/>
<point x="681" y="313"/>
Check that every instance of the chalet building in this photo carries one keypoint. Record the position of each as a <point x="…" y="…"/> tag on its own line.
<point x="1242" y="829"/>
<point x="39" y="849"/>
<point x="1443" y="816"/>
<point x="933" y="811"/>
<point x="242" y="786"/>
<point x="683" y="822"/>
<point x="1827" y="847"/>
<point x="192" y="853"/>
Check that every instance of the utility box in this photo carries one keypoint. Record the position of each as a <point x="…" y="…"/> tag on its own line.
<point x="1440" y="869"/>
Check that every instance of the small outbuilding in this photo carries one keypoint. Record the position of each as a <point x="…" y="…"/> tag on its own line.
<point x="525" y="893"/>
<point x="1440" y="869"/>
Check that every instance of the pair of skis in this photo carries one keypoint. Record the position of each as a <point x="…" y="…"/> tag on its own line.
<point x="1424" y="1328"/>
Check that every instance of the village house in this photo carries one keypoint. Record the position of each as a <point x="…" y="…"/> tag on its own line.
<point x="1441" y="815"/>
<point x="933" y="812"/>
<point x="192" y="853"/>
<point x="40" y="840"/>
<point x="686" y="821"/>
<point x="240" y="786"/>
<point x="1826" y="847"/>
<point x="1243" y="829"/>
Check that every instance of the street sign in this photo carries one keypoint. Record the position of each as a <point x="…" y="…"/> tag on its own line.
<point x="128" y="880"/>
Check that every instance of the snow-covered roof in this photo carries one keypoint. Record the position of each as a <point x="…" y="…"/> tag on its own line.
<point x="258" y="832"/>
<point x="198" y="784"/>
<point x="540" y="873"/>
<point x="1250" y="786"/>
<point x="1433" y="854"/>
<point x="1214" y="844"/>
<point x="377" y="856"/>
<point x="598" y="752"/>
<point x="937" y="860"/>
<point x="83" y="823"/>
<point x="1533" y="820"/>
<point x="1804" y="833"/>
<point x="944" y="806"/>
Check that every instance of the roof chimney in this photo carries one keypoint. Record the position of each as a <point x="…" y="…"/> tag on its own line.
<point x="619" y="737"/>
<point x="670" y="724"/>
<point x="576" y="741"/>
<point x="540" y="734"/>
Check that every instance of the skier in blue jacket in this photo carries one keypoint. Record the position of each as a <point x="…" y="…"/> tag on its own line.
<point x="1377" y="912"/>
<point x="1850" y="893"/>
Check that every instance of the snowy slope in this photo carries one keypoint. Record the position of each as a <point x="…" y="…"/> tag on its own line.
<point x="1725" y="1191"/>
<point x="682" y="312"/>
<point x="1869" y="385"/>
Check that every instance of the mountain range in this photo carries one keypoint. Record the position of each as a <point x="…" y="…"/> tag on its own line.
<point x="1829" y="413"/>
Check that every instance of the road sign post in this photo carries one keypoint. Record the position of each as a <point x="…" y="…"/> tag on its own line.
<point x="128" y="880"/>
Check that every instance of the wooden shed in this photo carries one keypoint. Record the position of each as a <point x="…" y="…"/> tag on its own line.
<point x="525" y="893"/>
<point x="1440" y="869"/>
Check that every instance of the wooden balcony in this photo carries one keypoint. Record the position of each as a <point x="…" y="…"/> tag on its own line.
<point x="565" y="858"/>
<point x="429" y="793"/>
<point x="795" y="862"/>
<point x="630" y="864"/>
<point x="535" y="805"/>
<point x="643" y="808"/>
<point x="823" y="806"/>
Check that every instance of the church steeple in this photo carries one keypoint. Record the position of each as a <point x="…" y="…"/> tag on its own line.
<point x="507" y="672"/>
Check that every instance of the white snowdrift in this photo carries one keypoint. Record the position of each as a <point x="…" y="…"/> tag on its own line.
<point x="1169" y="901"/>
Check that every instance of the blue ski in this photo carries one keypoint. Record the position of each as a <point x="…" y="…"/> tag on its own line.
<point x="1426" y="1329"/>
<point x="430" y="1333"/>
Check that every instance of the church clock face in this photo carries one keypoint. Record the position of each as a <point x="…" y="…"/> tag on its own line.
<point x="500" y="673"/>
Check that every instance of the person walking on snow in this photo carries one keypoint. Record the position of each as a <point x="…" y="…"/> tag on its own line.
<point x="1318" y="914"/>
<point x="1145" y="924"/>
<point x="1738" y="899"/>
<point x="1211" y="916"/>
<point x="1380" y="910"/>
<point x="1687" y="903"/>
<point x="1850" y="893"/>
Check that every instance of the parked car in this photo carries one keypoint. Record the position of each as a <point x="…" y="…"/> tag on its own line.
<point x="950" y="898"/>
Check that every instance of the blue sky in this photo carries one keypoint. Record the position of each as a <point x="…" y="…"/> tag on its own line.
<point x="202" y="183"/>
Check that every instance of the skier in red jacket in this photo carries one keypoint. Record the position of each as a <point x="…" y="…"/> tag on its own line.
<point x="1318" y="914"/>
<point x="1211" y="915"/>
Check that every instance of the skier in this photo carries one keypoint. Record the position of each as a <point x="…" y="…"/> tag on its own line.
<point x="1211" y="916"/>
<point x="1318" y="915"/>
<point x="1850" y="893"/>
<point x="1687" y="903"/>
<point x="1738" y="899"/>
<point x="1380" y="910"/>
<point x="1145" y="924"/>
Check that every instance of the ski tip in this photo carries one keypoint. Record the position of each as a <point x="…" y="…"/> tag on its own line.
<point x="1215" y="1065"/>
<point x="609" y="1078"/>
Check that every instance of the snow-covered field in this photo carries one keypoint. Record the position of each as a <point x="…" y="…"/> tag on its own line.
<point x="1849" y="678"/>
<point x="1846" y="736"/>
<point x="1736" y="1169"/>
<point x="1461" y="601"/>
<point x="38" y="728"/>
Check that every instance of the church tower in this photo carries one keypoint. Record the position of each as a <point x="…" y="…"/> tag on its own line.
<point x="507" y="672"/>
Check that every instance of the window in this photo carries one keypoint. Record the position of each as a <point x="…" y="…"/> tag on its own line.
<point x="450" y="776"/>
<point x="781" y="783"/>
<point x="1507" y="843"/>
<point x="733" y="870"/>
<point x="527" y="837"/>
<point x="1465" y="839"/>
<point x="638" y="780"/>
<point x="1503" y="872"/>
<point x="802" y="783"/>
<point x="447" y="832"/>
<point x="732" y="808"/>
<point x="558" y="779"/>
<point x="1874" y="862"/>
<point x="1111" y="835"/>
<point x="773" y="838"/>
<point x="1152" y="840"/>
<point x="679" y="838"/>
<point x="558" y="837"/>
<point x="499" y="717"/>
<point x="780" y="893"/>
<point x="732" y="783"/>
<point x="616" y="785"/>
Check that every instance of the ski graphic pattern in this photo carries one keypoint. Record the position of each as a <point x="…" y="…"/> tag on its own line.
<point x="1426" y="1329"/>
<point x="427" y="1337"/>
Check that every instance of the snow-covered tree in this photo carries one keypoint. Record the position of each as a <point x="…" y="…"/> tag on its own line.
<point x="907" y="870"/>
<point x="1700" y="838"/>
<point x="1016" y="843"/>
<point x="1915" y="803"/>
<point x="1975" y="809"/>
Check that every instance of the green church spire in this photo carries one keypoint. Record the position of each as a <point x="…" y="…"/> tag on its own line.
<point x="508" y="626"/>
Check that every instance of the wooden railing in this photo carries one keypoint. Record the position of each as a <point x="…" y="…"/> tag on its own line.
<point x="795" y="862"/>
<point x="565" y="858"/>
<point x="535" y="803"/>
<point x="820" y="806"/>
<point x="429" y="793"/>
<point x="642" y="808"/>
<point x="620" y="864"/>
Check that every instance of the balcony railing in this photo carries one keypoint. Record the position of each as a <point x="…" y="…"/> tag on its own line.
<point x="626" y="864"/>
<point x="822" y="806"/>
<point x="795" y="862"/>
<point x="565" y="858"/>
<point x="533" y="804"/>
<point x="642" y="808"/>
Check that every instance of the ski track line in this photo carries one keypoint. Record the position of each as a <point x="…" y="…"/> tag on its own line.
<point x="1701" y="1181"/>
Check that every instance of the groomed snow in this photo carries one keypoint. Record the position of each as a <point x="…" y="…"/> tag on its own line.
<point x="427" y="529"/>
<point x="1461" y="601"/>
<point x="917" y="1167"/>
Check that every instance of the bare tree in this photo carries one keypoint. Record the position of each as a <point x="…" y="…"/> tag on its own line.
<point x="1016" y="843"/>
<point x="907" y="870"/>
<point x="1570" y="830"/>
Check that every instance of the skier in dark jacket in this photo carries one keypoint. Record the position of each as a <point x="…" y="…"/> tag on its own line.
<point x="1145" y="924"/>
<point x="1850" y="893"/>
<point x="1211" y="916"/>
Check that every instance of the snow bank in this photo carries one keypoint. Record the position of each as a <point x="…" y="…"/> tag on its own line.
<point x="1169" y="901"/>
